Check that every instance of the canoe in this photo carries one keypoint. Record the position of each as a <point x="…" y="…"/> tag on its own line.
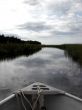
<point x="39" y="96"/>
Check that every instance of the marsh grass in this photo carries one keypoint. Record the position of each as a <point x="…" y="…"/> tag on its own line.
<point x="73" y="51"/>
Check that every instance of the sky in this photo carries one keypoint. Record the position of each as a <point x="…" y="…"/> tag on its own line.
<point x="47" y="21"/>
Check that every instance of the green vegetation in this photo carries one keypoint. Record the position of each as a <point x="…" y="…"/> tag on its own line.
<point x="11" y="47"/>
<point x="73" y="51"/>
<point x="13" y="39"/>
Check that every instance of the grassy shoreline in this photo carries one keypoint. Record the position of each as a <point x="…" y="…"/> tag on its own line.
<point x="11" y="47"/>
<point x="73" y="51"/>
<point x="12" y="50"/>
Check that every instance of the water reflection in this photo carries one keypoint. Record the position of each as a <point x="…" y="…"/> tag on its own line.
<point x="49" y="66"/>
<point x="12" y="55"/>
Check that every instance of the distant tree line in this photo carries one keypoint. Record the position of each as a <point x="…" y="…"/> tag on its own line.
<point x="8" y="39"/>
<point x="13" y="39"/>
<point x="11" y="47"/>
<point x="33" y="42"/>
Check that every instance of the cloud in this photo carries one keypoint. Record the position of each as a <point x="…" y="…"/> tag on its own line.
<point x="35" y="26"/>
<point x="42" y="18"/>
<point x="32" y="2"/>
<point x="59" y="8"/>
<point x="62" y="17"/>
<point x="69" y="28"/>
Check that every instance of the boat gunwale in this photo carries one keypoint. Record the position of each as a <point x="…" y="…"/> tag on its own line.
<point x="44" y="92"/>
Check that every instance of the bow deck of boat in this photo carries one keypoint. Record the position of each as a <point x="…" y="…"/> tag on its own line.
<point x="45" y="89"/>
<point x="39" y="96"/>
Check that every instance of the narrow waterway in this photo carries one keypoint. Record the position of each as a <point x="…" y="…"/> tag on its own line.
<point x="50" y="66"/>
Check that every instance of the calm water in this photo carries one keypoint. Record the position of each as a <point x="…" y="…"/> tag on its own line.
<point x="49" y="66"/>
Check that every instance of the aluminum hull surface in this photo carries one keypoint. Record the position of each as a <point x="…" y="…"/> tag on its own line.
<point x="50" y="99"/>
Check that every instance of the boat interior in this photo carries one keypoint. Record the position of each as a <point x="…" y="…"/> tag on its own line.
<point x="49" y="102"/>
<point x="41" y="101"/>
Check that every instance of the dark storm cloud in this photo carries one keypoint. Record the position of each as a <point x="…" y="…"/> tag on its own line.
<point x="35" y="26"/>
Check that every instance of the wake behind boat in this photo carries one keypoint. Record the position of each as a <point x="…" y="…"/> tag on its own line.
<point x="39" y="96"/>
